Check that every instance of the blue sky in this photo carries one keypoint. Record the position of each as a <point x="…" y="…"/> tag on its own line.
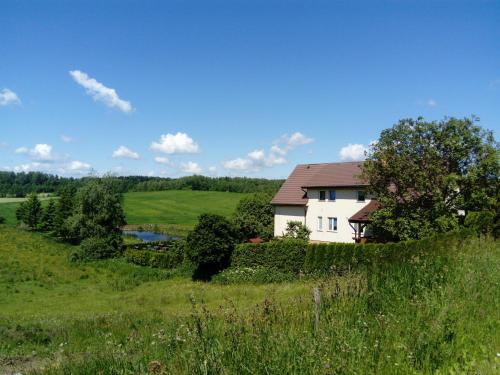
<point x="233" y="87"/>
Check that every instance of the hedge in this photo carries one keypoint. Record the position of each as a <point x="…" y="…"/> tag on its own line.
<point x="167" y="254"/>
<point x="290" y="255"/>
<point x="285" y="255"/>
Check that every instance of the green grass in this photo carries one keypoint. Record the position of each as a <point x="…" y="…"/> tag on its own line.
<point x="177" y="211"/>
<point x="111" y="317"/>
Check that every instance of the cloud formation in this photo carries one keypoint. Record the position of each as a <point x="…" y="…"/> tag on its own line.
<point x="258" y="159"/>
<point x="8" y="97"/>
<point x="179" y="143"/>
<point x="41" y="151"/>
<point x="77" y="166"/>
<point x="162" y="160"/>
<point x="99" y="92"/>
<point x="353" y="152"/>
<point x="124" y="152"/>
<point x="191" y="167"/>
<point x="66" y="138"/>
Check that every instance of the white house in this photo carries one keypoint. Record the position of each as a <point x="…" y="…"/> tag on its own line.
<point x="330" y="199"/>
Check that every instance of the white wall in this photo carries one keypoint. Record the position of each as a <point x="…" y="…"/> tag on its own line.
<point x="284" y="214"/>
<point x="342" y="208"/>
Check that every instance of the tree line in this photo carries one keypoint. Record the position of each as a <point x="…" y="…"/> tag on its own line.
<point x="21" y="184"/>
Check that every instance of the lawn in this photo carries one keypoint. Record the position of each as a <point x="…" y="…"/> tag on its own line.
<point x="177" y="210"/>
<point x="116" y="318"/>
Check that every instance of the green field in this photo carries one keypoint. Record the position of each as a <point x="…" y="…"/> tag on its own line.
<point x="111" y="317"/>
<point x="175" y="211"/>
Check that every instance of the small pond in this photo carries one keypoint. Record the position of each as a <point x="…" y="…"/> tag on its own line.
<point x="148" y="236"/>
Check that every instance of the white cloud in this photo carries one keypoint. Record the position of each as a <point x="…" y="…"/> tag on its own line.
<point x="212" y="170"/>
<point x="32" y="167"/>
<point x="353" y="152"/>
<point x="431" y="103"/>
<point x="8" y="97"/>
<point x="41" y="151"/>
<point x="124" y="152"/>
<point x="77" y="166"/>
<point x="66" y="138"/>
<point x="179" y="143"/>
<point x="238" y="164"/>
<point x="162" y="160"/>
<point x="100" y="93"/>
<point x="298" y="139"/>
<point x="258" y="159"/>
<point x="191" y="167"/>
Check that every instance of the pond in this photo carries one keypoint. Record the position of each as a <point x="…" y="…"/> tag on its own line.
<point x="148" y="236"/>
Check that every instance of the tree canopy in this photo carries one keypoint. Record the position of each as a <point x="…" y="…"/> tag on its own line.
<point x="425" y="174"/>
<point x="254" y="216"/>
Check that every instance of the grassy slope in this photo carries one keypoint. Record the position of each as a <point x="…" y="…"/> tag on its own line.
<point x="112" y="316"/>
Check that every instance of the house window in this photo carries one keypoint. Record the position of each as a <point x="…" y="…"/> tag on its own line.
<point x="361" y="196"/>
<point x="332" y="195"/>
<point x="332" y="224"/>
<point x="322" y="195"/>
<point x="320" y="223"/>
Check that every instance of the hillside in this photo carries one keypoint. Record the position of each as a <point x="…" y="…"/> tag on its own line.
<point x="85" y="318"/>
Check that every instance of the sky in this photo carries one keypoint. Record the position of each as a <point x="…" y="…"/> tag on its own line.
<point x="233" y="88"/>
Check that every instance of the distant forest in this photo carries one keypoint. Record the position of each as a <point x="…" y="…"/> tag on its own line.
<point x="19" y="184"/>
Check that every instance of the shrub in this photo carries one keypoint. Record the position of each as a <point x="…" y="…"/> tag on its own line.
<point x="2" y="220"/>
<point x="210" y="245"/>
<point x="286" y="255"/>
<point x="170" y="258"/>
<point x="94" y="248"/>
<point x="258" y="275"/>
<point x="484" y="222"/>
<point x="295" y="229"/>
<point x="254" y="217"/>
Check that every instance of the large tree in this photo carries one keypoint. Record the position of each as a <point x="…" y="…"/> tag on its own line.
<point x="254" y="216"/>
<point x="30" y="211"/>
<point x="425" y="173"/>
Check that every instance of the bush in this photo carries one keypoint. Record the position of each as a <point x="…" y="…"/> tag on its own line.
<point x="172" y="257"/>
<point x="210" y="245"/>
<point x="295" y="229"/>
<point x="258" y="275"/>
<point x="2" y="220"/>
<point x="94" y="248"/>
<point x="286" y="255"/>
<point x="484" y="222"/>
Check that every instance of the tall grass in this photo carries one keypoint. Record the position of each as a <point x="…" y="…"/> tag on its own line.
<point x="425" y="316"/>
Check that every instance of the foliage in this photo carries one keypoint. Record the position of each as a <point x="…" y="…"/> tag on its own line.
<point x="21" y="184"/>
<point x="286" y="255"/>
<point x="64" y="209"/>
<point x="254" y="217"/>
<point x="295" y="229"/>
<point x="484" y="222"/>
<point x="2" y="220"/>
<point x="210" y="245"/>
<point x="49" y="217"/>
<point x="29" y="212"/>
<point x="160" y="254"/>
<point x="99" y="247"/>
<point x="422" y="173"/>
<point x="98" y="212"/>
<point x="257" y="275"/>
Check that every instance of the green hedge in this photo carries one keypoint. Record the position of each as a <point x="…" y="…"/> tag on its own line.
<point x="158" y="255"/>
<point x="290" y="255"/>
<point x="286" y="255"/>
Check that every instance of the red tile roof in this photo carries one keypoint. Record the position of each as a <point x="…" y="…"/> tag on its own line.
<point x="317" y="175"/>
<point x="362" y="215"/>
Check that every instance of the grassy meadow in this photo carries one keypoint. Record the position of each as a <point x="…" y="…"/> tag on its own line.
<point x="111" y="317"/>
<point x="173" y="211"/>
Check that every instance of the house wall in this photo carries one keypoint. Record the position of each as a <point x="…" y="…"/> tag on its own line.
<point x="284" y="214"/>
<point x="345" y="205"/>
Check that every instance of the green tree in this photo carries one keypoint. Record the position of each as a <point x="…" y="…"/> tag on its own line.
<point x="29" y="212"/>
<point x="254" y="217"/>
<point x="295" y="229"/>
<point x="424" y="173"/>
<point x="48" y="216"/>
<point x="210" y="245"/>
<point x="64" y="209"/>
<point x="2" y="220"/>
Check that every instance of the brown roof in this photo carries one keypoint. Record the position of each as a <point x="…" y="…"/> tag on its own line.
<point x="362" y="215"/>
<point x="317" y="175"/>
